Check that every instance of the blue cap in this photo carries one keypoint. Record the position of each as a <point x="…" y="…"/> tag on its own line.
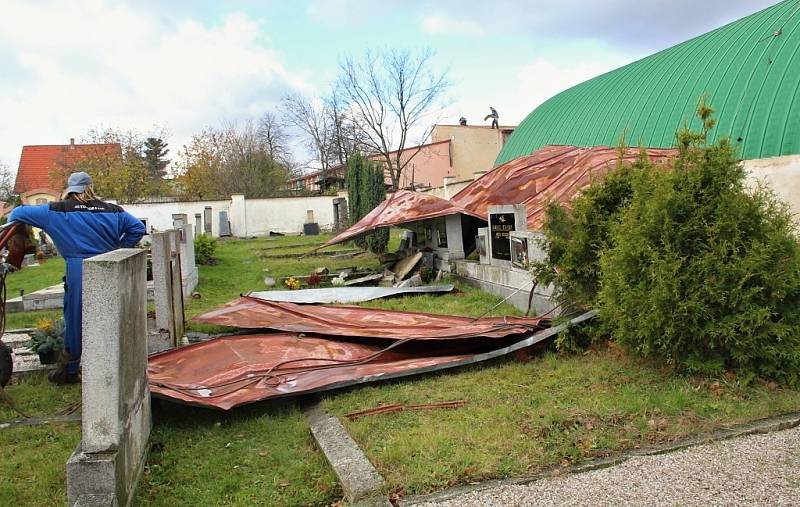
<point x="78" y="182"/>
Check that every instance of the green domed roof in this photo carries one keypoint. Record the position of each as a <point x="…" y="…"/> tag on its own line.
<point x="750" y="75"/>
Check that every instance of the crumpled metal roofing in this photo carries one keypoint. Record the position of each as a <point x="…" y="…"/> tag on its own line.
<point x="401" y="207"/>
<point x="355" y="321"/>
<point x="344" y="294"/>
<point x="552" y="173"/>
<point x="235" y="370"/>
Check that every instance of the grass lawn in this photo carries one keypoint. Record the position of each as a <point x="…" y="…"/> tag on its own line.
<point x="520" y="418"/>
<point x="31" y="279"/>
<point x="34" y="460"/>
<point x="552" y="411"/>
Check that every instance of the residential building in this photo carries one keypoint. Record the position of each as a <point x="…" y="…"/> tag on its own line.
<point x="43" y="169"/>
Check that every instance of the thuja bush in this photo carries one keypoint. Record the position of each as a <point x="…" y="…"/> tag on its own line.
<point x="701" y="271"/>
<point x="575" y="238"/>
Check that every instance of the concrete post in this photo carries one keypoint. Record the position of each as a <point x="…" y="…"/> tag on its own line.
<point x="167" y="290"/>
<point x="188" y="266"/>
<point x="161" y="255"/>
<point x="116" y="421"/>
<point x="455" y="237"/>
<point x="445" y="182"/>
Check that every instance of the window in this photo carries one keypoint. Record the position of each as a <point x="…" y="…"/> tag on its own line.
<point x="41" y="200"/>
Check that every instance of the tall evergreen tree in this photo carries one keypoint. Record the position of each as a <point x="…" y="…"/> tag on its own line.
<point x="155" y="152"/>
<point x="374" y="193"/>
<point x="353" y="178"/>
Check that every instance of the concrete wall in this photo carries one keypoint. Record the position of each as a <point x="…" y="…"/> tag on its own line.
<point x="285" y="215"/>
<point x="474" y="147"/>
<point x="782" y="174"/>
<point x="115" y="413"/>
<point x="248" y="217"/>
<point x="159" y="215"/>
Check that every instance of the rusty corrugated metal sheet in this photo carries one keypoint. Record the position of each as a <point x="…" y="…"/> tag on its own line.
<point x="551" y="174"/>
<point x="236" y="370"/>
<point x="401" y="207"/>
<point x="355" y="321"/>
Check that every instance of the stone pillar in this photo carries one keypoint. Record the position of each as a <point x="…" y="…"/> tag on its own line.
<point x="447" y="180"/>
<point x="161" y="256"/>
<point x="455" y="237"/>
<point x="238" y="216"/>
<point x="188" y="266"/>
<point x="116" y="422"/>
<point x="167" y="291"/>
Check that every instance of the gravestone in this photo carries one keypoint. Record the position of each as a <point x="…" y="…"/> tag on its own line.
<point x="179" y="220"/>
<point x="482" y="245"/>
<point x="189" y="271"/>
<point x="526" y="248"/>
<point x="502" y="221"/>
<point x="198" y="224"/>
<point x="167" y="291"/>
<point x="115" y="413"/>
<point x="207" y="220"/>
<point x="224" y="224"/>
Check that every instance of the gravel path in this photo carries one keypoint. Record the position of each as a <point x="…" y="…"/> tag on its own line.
<point x="750" y="470"/>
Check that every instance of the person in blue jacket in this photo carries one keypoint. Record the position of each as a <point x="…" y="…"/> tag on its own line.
<point x="81" y="226"/>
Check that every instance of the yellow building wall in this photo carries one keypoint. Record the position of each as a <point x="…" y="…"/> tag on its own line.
<point x="31" y="199"/>
<point x="474" y="148"/>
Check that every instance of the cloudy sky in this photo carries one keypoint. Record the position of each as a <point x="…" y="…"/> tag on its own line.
<point x="68" y="66"/>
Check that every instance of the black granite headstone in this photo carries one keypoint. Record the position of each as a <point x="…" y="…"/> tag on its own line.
<point x="500" y="227"/>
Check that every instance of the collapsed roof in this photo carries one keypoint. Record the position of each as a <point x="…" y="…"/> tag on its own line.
<point x="552" y="173"/>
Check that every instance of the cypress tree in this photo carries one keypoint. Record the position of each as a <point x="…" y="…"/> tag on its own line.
<point x="353" y="179"/>
<point x="374" y="193"/>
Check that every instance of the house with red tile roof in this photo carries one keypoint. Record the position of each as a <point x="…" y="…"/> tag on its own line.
<point x="43" y="169"/>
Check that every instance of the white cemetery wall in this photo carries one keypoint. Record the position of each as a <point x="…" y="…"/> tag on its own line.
<point x="248" y="217"/>
<point x="159" y="215"/>
<point x="285" y="215"/>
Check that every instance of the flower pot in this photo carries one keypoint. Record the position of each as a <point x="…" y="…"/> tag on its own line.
<point x="48" y="357"/>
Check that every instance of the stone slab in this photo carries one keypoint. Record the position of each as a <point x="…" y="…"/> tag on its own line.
<point x="506" y="282"/>
<point x="358" y="477"/>
<point x="116" y="418"/>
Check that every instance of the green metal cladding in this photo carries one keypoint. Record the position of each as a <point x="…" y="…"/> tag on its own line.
<point x="750" y="75"/>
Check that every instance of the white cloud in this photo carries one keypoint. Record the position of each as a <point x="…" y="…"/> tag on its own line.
<point x="439" y="24"/>
<point x="516" y="90"/>
<point x="87" y="64"/>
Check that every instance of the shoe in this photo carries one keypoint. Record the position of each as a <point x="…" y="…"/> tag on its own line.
<point x="60" y="376"/>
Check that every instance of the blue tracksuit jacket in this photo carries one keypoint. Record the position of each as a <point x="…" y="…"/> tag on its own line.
<point x="80" y="231"/>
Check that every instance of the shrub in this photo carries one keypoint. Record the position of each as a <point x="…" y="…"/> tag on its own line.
<point x="204" y="248"/>
<point x="575" y="238"/>
<point x="685" y="265"/>
<point x="703" y="272"/>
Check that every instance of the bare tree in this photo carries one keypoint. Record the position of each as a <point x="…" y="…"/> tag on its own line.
<point x="275" y="139"/>
<point x="7" y="180"/>
<point x="390" y="94"/>
<point x="315" y="122"/>
<point x="346" y="138"/>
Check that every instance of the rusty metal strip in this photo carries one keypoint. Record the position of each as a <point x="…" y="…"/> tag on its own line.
<point x="397" y="407"/>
